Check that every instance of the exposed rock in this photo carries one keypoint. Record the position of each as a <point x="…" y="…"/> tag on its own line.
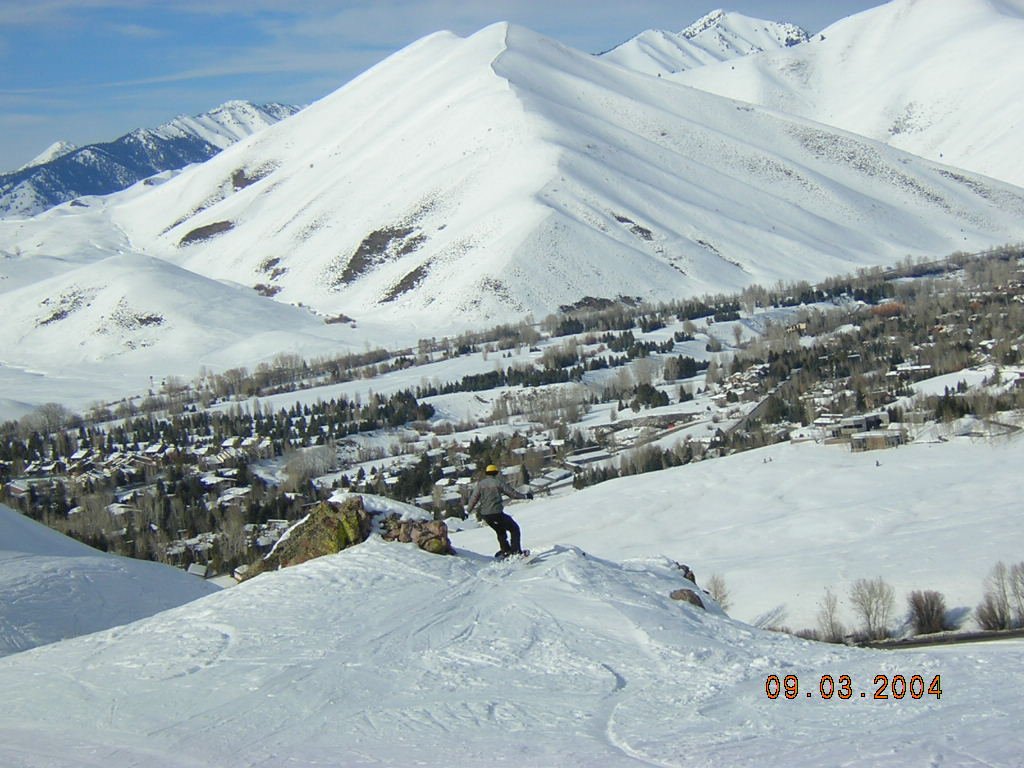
<point x="687" y="572"/>
<point x="428" y="535"/>
<point x="199" y="234"/>
<point x="326" y="531"/>
<point x="689" y="596"/>
<point x="333" y="526"/>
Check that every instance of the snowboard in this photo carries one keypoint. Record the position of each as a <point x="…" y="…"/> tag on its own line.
<point x="523" y="557"/>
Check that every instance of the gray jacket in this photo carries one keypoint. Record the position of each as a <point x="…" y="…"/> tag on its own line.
<point x="487" y="496"/>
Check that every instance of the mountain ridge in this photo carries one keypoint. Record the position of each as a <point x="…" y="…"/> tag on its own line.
<point x="65" y="172"/>
<point x="466" y="182"/>
<point x="551" y="135"/>
<point x="718" y="36"/>
<point x="941" y="85"/>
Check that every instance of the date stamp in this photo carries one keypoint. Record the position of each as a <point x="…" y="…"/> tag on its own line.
<point x="842" y="687"/>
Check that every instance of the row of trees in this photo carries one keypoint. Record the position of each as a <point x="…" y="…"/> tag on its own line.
<point x="874" y="604"/>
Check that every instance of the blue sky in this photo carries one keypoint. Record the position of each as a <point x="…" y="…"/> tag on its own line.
<point x="91" y="70"/>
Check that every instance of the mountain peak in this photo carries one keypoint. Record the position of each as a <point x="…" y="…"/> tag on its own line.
<point x="716" y="37"/>
<point x="52" y="152"/>
<point x="938" y="80"/>
<point x="704" y="23"/>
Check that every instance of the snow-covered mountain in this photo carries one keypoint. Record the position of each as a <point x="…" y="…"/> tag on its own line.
<point x="463" y="182"/>
<point x="64" y="172"/>
<point x="938" y="79"/>
<point x="51" y="153"/>
<point x="113" y="324"/>
<point x="475" y="180"/>
<point x="718" y="36"/>
<point x="55" y="587"/>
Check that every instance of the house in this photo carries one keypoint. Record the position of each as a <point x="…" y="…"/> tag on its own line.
<point x="234" y="496"/>
<point x="216" y="483"/>
<point x="585" y="456"/>
<point x="18" y="489"/>
<point x="864" y="422"/>
<point x="876" y="440"/>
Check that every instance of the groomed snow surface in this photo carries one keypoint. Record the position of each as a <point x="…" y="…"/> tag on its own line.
<point x="384" y="655"/>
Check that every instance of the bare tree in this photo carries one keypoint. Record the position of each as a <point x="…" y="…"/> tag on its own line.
<point x="1017" y="591"/>
<point x="927" y="611"/>
<point x="719" y="591"/>
<point x="874" y="601"/>
<point x="645" y="370"/>
<point x="47" y="418"/>
<point x="994" y="610"/>
<point x="309" y="463"/>
<point x="830" y="628"/>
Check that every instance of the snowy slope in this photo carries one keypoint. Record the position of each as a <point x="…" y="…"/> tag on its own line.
<point x="54" y="587"/>
<point x="782" y="524"/>
<point x="938" y="79"/>
<point x="117" y="322"/>
<point x="463" y="182"/>
<point x="718" y="36"/>
<point x="384" y="655"/>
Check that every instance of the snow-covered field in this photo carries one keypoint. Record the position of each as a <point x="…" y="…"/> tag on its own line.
<point x="384" y="655"/>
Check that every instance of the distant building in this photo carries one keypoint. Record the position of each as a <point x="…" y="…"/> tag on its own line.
<point x="876" y="440"/>
<point x="864" y="422"/>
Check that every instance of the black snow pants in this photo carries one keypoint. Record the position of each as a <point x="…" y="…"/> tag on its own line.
<point x="504" y="526"/>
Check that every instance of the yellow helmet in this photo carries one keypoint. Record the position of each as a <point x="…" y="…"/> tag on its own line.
<point x="491" y="469"/>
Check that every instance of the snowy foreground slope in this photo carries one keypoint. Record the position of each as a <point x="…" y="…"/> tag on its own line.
<point x="783" y="523"/>
<point x="54" y="587"/>
<point x="384" y="655"/>
<point x="938" y="79"/>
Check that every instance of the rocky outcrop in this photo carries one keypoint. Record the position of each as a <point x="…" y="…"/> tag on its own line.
<point x="428" y="535"/>
<point x="326" y="530"/>
<point x="688" y="596"/>
<point x="336" y="525"/>
<point x="685" y="594"/>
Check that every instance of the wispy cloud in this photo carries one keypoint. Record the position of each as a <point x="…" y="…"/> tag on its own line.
<point x="137" y="31"/>
<point x="54" y="12"/>
<point x="21" y="119"/>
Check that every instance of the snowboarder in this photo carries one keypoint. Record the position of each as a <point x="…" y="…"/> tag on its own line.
<point x="486" y="502"/>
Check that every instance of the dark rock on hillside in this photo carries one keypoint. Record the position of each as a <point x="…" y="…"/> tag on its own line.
<point x="688" y="596"/>
<point x="428" y="535"/>
<point x="332" y="527"/>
